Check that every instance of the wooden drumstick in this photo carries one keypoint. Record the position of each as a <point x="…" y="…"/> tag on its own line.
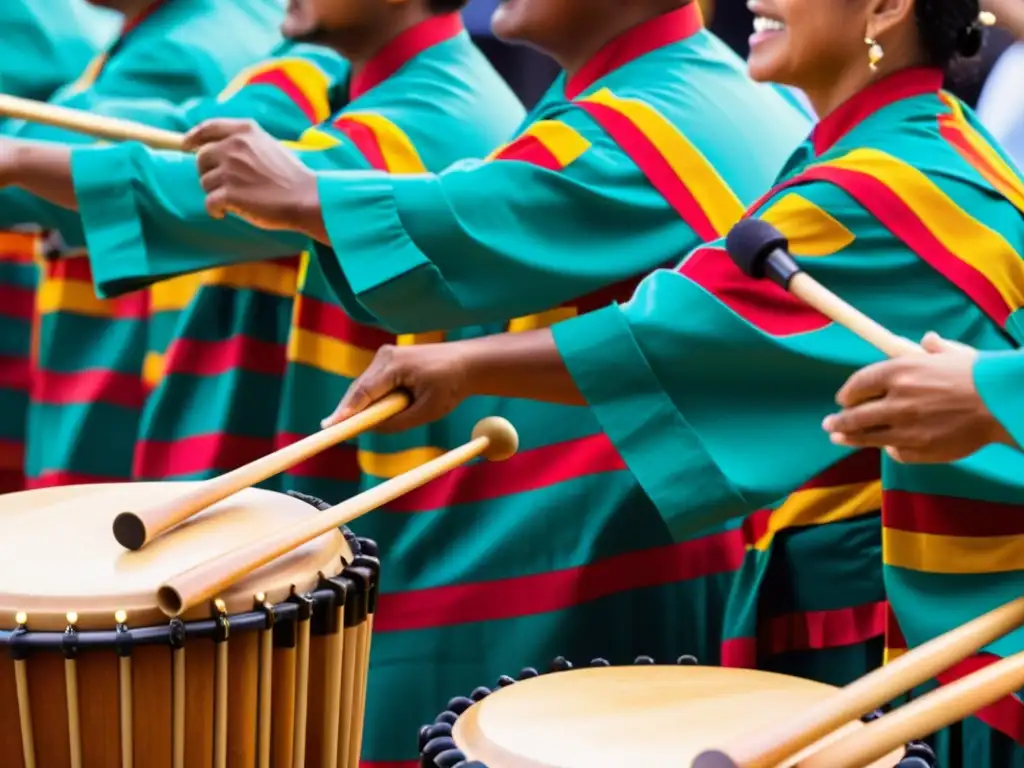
<point x="875" y="689"/>
<point x="761" y="251"/>
<point x="493" y="438"/>
<point x="134" y="529"/>
<point x="928" y="714"/>
<point x="89" y="124"/>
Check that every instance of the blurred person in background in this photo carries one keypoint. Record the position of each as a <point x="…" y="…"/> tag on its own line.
<point x="1001" y="104"/>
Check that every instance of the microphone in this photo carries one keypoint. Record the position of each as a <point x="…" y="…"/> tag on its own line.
<point x="760" y="251"/>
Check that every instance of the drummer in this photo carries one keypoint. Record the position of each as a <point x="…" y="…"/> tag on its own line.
<point x="912" y="217"/>
<point x="44" y="48"/>
<point x="933" y="409"/>
<point x="86" y="398"/>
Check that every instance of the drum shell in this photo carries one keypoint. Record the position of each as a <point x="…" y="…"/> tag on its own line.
<point x="125" y="707"/>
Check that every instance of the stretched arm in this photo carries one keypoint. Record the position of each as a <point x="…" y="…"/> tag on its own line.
<point x="559" y="214"/>
<point x="439" y="376"/>
<point x="146" y="212"/>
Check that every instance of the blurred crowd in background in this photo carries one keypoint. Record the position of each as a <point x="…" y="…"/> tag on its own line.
<point x="993" y="84"/>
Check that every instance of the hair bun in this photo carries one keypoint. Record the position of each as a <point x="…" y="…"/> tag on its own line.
<point x="969" y="41"/>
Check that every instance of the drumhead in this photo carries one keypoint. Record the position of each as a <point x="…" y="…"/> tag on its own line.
<point x="58" y="553"/>
<point x="650" y="716"/>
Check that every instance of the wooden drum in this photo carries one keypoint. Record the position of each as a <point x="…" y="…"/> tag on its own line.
<point x="643" y="716"/>
<point x="273" y="673"/>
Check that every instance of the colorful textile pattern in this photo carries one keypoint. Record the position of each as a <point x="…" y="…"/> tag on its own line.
<point x="900" y="187"/>
<point x="86" y="385"/>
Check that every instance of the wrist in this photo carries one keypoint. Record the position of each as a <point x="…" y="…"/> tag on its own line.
<point x="303" y="206"/>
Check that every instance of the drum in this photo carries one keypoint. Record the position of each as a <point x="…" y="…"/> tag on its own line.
<point x="273" y="673"/>
<point x="623" y="716"/>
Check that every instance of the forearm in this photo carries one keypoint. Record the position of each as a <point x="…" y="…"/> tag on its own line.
<point x="41" y="168"/>
<point x="520" y="365"/>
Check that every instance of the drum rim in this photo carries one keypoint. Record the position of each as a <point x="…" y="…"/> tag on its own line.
<point x="356" y="587"/>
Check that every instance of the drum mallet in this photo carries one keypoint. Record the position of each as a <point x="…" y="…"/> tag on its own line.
<point x="761" y="251"/>
<point x="870" y="692"/>
<point x="928" y="714"/>
<point x="134" y="529"/>
<point x="493" y="438"/>
<point x="86" y="123"/>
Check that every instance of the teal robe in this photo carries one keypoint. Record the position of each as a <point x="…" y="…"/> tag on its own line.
<point x="898" y="188"/>
<point x="997" y="378"/>
<point x="444" y="102"/>
<point x="87" y="385"/>
<point x="44" y="48"/>
<point x="613" y="174"/>
<point x="49" y="44"/>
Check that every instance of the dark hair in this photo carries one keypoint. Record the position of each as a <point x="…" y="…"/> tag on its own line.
<point x="949" y="29"/>
<point x="446" y="6"/>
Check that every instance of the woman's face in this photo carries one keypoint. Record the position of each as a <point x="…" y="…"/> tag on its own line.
<point x="807" y="43"/>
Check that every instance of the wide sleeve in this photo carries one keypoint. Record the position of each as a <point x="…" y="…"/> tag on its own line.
<point x="999" y="378"/>
<point x="713" y="386"/>
<point x="145" y="219"/>
<point x="559" y="213"/>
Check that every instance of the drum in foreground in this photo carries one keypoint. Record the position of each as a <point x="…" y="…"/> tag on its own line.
<point x="644" y="715"/>
<point x="272" y="673"/>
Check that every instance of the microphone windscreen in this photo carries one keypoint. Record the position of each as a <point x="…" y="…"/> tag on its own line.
<point x="749" y="244"/>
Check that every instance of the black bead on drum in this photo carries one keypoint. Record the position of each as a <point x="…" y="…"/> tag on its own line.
<point x="449" y="758"/>
<point x="599" y="662"/>
<point x="561" y="664"/>
<point x="505" y="681"/>
<point x="422" y="740"/>
<point x="643" y="660"/>
<point x="527" y="672"/>
<point x="914" y="762"/>
<point x="446" y="717"/>
<point x="687" y="661"/>
<point x="435" y="747"/>
<point x="921" y="750"/>
<point x="473" y="764"/>
<point x="436" y="731"/>
<point x="459" y="704"/>
<point x="872" y="716"/>
<point x="480" y="693"/>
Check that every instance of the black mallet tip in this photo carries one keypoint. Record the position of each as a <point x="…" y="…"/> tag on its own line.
<point x="750" y="243"/>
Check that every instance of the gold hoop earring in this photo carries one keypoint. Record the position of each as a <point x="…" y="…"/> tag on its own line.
<point x="875" y="53"/>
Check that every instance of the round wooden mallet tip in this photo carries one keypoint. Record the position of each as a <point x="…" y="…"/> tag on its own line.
<point x="130" y="531"/>
<point x="503" y="436"/>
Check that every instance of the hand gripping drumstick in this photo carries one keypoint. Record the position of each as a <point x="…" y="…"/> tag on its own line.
<point x="869" y="692"/>
<point x="133" y="530"/>
<point x="89" y="124"/>
<point x="760" y="251"/>
<point x="493" y="438"/>
<point x="932" y="712"/>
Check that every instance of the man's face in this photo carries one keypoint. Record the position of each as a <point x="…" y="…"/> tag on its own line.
<point x="539" y="22"/>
